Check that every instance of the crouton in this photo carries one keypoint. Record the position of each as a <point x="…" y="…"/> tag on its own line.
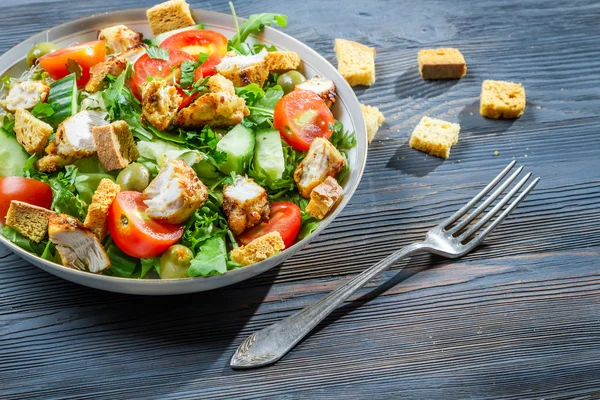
<point x="25" y="94"/>
<point x="324" y="87"/>
<point x="244" y="70"/>
<point x="434" y="136"/>
<point x="214" y="109"/>
<point x="115" y="145"/>
<point x="245" y="204"/>
<point x="160" y="102"/>
<point x="218" y="83"/>
<point x="52" y="163"/>
<point x="323" y="197"/>
<point x="259" y="249"/>
<point x="172" y="14"/>
<point x="281" y="61"/>
<point x="321" y="161"/>
<point x="373" y="120"/>
<point x="100" y="71"/>
<point x="441" y="64"/>
<point x="31" y="132"/>
<point x="120" y="38"/>
<point x="29" y="220"/>
<point x="501" y="99"/>
<point x="95" y="220"/>
<point x="356" y="62"/>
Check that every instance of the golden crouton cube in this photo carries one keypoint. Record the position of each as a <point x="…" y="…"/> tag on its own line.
<point x="435" y="137"/>
<point x="356" y="62"/>
<point x="214" y="109"/>
<point x="323" y="197"/>
<point x="280" y="61"/>
<point x="373" y="120"/>
<point x="259" y="249"/>
<point x="501" y="99"/>
<point x="160" y="102"/>
<point x="31" y="132"/>
<point x="116" y="148"/>
<point x="441" y="64"/>
<point x="95" y="220"/>
<point x="29" y="220"/>
<point x="52" y="163"/>
<point x="172" y="14"/>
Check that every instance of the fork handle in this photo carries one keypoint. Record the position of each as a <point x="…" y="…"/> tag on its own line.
<point x="273" y="342"/>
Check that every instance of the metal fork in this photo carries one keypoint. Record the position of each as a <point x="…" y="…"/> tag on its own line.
<point x="449" y="239"/>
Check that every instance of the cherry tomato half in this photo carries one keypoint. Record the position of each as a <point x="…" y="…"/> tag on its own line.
<point x="301" y="116"/>
<point x="199" y="41"/>
<point x="146" y="67"/>
<point x="285" y="218"/>
<point x="23" y="189"/>
<point x="59" y="63"/>
<point x="136" y="233"/>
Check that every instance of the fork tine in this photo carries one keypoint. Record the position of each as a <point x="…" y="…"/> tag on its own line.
<point x="479" y="196"/>
<point x="487" y="202"/>
<point x="490" y="214"/>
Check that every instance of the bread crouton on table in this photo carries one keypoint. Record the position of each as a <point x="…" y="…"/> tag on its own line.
<point x="120" y="38"/>
<point x="444" y="63"/>
<point x="115" y="145"/>
<point x="244" y="70"/>
<point x="160" y="102"/>
<point x="434" y="136"/>
<point x="280" y="61"/>
<point x="97" y="214"/>
<point x="323" y="197"/>
<point x="501" y="99"/>
<point x="324" y="87"/>
<point x="29" y="220"/>
<point x="259" y="249"/>
<point x="356" y="62"/>
<point x="25" y="95"/>
<point x="245" y="204"/>
<point x="172" y="14"/>
<point x="321" y="161"/>
<point x="214" y="109"/>
<point x="373" y="120"/>
<point x="32" y="133"/>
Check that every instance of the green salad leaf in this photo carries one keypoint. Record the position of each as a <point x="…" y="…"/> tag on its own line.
<point x="148" y="264"/>
<point x="254" y="24"/>
<point x="158" y="53"/>
<point x="160" y="150"/>
<point x="211" y="259"/>
<point x="13" y="156"/>
<point x="188" y="70"/>
<point x="42" y="110"/>
<point x="89" y="175"/>
<point x="121" y="264"/>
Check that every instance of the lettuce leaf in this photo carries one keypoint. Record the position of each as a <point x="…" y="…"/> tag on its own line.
<point x="254" y="24"/>
<point x="212" y="258"/>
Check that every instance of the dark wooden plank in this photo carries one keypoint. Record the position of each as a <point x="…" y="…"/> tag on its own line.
<point x="516" y="319"/>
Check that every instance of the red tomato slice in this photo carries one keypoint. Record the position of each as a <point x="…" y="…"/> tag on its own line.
<point x="56" y="64"/>
<point x="285" y="218"/>
<point x="199" y="41"/>
<point x="23" y="189"/>
<point x="136" y="233"/>
<point x="301" y="116"/>
<point x="146" y="67"/>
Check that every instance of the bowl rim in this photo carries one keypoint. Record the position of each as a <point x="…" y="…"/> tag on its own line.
<point x="15" y="55"/>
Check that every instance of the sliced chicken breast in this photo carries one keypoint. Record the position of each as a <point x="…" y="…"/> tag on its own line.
<point x="324" y="87"/>
<point x="321" y="161"/>
<point x="175" y="194"/>
<point x="25" y="95"/>
<point x="245" y="204"/>
<point x="77" y="246"/>
<point x="120" y="38"/>
<point x="74" y="135"/>
<point x="244" y="70"/>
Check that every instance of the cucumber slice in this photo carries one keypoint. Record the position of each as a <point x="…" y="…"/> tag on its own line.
<point x="158" y="39"/>
<point x="268" y="154"/>
<point x="12" y="154"/>
<point x="206" y="171"/>
<point x="63" y="99"/>
<point x="238" y="144"/>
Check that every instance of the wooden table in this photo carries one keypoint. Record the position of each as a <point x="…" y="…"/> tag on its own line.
<point x="519" y="318"/>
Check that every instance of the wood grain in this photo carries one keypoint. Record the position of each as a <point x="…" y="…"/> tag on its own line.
<point x="517" y="319"/>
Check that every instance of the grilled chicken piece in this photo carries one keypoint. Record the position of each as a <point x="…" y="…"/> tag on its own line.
<point x="100" y="71"/>
<point x="78" y="247"/>
<point x="133" y="54"/>
<point x="214" y="109"/>
<point x="120" y="38"/>
<point x="25" y="95"/>
<point x="321" y="161"/>
<point x="245" y="204"/>
<point x="74" y="135"/>
<point x="160" y="102"/>
<point x="324" y="87"/>
<point x="175" y="194"/>
<point x="52" y="163"/>
<point x="219" y="84"/>
<point x="244" y="70"/>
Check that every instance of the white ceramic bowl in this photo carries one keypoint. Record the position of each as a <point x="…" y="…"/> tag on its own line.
<point x="346" y="109"/>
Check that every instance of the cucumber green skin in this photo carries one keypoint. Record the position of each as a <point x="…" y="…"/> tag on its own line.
<point x="268" y="154"/>
<point x="158" y="39"/>
<point x="12" y="155"/>
<point x="238" y="144"/>
<point x="63" y="98"/>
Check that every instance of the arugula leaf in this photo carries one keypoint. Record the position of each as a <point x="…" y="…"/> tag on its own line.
<point x="212" y="258"/>
<point x="148" y="264"/>
<point x="188" y="70"/>
<point x="344" y="141"/>
<point x="121" y="264"/>
<point x="42" y="110"/>
<point x="254" y="24"/>
<point x="261" y="104"/>
<point x="24" y="242"/>
<point x="158" y="53"/>
<point x="89" y="174"/>
<point x="64" y="197"/>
